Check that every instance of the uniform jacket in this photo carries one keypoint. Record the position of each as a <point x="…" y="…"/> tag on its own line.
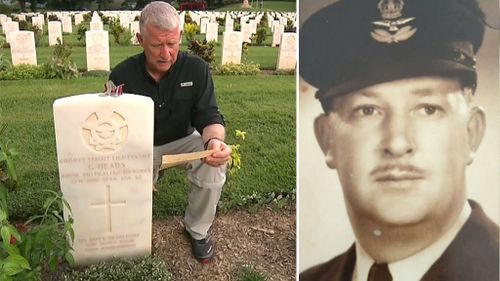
<point x="471" y="256"/>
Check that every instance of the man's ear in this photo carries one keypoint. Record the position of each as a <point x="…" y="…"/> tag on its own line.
<point x="139" y="38"/>
<point x="323" y="132"/>
<point x="476" y="127"/>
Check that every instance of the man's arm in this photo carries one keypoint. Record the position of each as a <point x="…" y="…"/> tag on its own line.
<point x="213" y="137"/>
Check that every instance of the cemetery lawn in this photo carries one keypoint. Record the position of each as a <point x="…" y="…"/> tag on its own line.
<point x="263" y="106"/>
<point x="255" y="226"/>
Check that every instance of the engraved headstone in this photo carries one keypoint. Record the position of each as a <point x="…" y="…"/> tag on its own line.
<point x="229" y="23"/>
<point x="105" y="157"/>
<point x="278" y="30"/>
<point x="67" y="25"/>
<point x="232" y="42"/>
<point x="287" y="56"/>
<point x="22" y="47"/>
<point x="97" y="50"/>
<point x="38" y="21"/>
<point x="78" y="19"/>
<point x="246" y="31"/>
<point x="212" y="32"/>
<point x="55" y="32"/>
<point x="10" y="26"/>
<point x="96" y="26"/>
<point x="203" y="25"/>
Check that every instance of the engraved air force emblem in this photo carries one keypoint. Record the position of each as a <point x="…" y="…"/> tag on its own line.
<point x="105" y="131"/>
<point x="392" y="28"/>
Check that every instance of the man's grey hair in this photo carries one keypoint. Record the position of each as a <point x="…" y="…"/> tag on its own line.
<point x="159" y="14"/>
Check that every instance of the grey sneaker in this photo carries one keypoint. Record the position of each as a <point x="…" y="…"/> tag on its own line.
<point x="203" y="250"/>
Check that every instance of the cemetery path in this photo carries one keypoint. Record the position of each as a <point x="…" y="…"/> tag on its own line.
<point x="264" y="241"/>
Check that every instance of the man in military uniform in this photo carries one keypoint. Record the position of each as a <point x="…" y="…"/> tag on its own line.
<point x="396" y="81"/>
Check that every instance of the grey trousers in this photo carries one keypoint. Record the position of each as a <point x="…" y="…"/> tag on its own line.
<point x="206" y="184"/>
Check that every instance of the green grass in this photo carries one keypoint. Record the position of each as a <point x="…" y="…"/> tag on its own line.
<point x="282" y="6"/>
<point x="263" y="106"/>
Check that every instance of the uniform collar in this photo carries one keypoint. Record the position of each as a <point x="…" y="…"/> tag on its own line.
<point x="414" y="267"/>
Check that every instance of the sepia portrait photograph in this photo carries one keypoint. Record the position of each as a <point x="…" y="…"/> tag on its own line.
<point x="398" y="151"/>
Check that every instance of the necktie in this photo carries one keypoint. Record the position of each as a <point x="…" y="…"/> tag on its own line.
<point x="379" y="272"/>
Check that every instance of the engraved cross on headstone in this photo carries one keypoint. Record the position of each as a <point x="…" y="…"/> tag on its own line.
<point x="108" y="204"/>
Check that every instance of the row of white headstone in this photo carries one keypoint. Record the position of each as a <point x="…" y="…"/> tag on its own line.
<point x="23" y="51"/>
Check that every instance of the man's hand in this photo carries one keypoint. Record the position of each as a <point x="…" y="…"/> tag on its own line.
<point x="222" y="154"/>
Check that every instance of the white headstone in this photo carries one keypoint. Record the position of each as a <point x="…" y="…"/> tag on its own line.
<point x="78" y="19"/>
<point x="97" y="46"/>
<point x="22" y="47"/>
<point x="96" y="26"/>
<point x="105" y="156"/>
<point x="67" y="24"/>
<point x="229" y="23"/>
<point x="253" y="24"/>
<point x="21" y="17"/>
<point x="134" y="29"/>
<point x="232" y="42"/>
<point x="95" y="17"/>
<point x="287" y="56"/>
<point x="9" y="27"/>
<point x="38" y="21"/>
<point x="246" y="31"/>
<point x="212" y="31"/>
<point x="3" y="18"/>
<point x="278" y="30"/>
<point x="55" y="31"/>
<point x="203" y="25"/>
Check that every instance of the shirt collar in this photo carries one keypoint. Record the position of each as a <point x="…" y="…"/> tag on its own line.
<point x="414" y="267"/>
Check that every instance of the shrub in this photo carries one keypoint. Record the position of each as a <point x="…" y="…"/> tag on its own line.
<point x="30" y="248"/>
<point x="80" y="31"/>
<point x="23" y="25"/>
<point x="237" y="69"/>
<point x="52" y="17"/>
<point x="237" y="26"/>
<point x="190" y="30"/>
<point x="87" y="17"/>
<point x="187" y="18"/>
<point x="203" y="49"/>
<point x="260" y="36"/>
<point x="60" y="65"/>
<point x="124" y="270"/>
<point x="21" y="72"/>
<point x="289" y="26"/>
<point x="120" y="34"/>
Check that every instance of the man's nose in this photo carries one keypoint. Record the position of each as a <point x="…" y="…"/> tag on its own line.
<point x="165" y="51"/>
<point x="397" y="136"/>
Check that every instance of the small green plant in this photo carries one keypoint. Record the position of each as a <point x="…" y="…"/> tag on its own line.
<point x="203" y="49"/>
<point x="260" y="36"/>
<point x="190" y="30"/>
<point x="235" y="161"/>
<point x="289" y="26"/>
<point x="249" y="273"/>
<point x="43" y="242"/>
<point x="151" y="267"/>
<point x="237" y="69"/>
<point x="60" y="65"/>
<point x="22" y="72"/>
<point x="80" y="31"/>
<point x="121" y="35"/>
<point x="187" y="18"/>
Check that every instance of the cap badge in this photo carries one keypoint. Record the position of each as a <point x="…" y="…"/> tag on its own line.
<point x="392" y="28"/>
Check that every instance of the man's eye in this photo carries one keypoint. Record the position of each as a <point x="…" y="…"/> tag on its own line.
<point x="366" y="110"/>
<point x="429" y="110"/>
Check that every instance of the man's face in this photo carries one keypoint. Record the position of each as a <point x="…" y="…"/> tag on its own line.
<point x="400" y="149"/>
<point x="160" y="47"/>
